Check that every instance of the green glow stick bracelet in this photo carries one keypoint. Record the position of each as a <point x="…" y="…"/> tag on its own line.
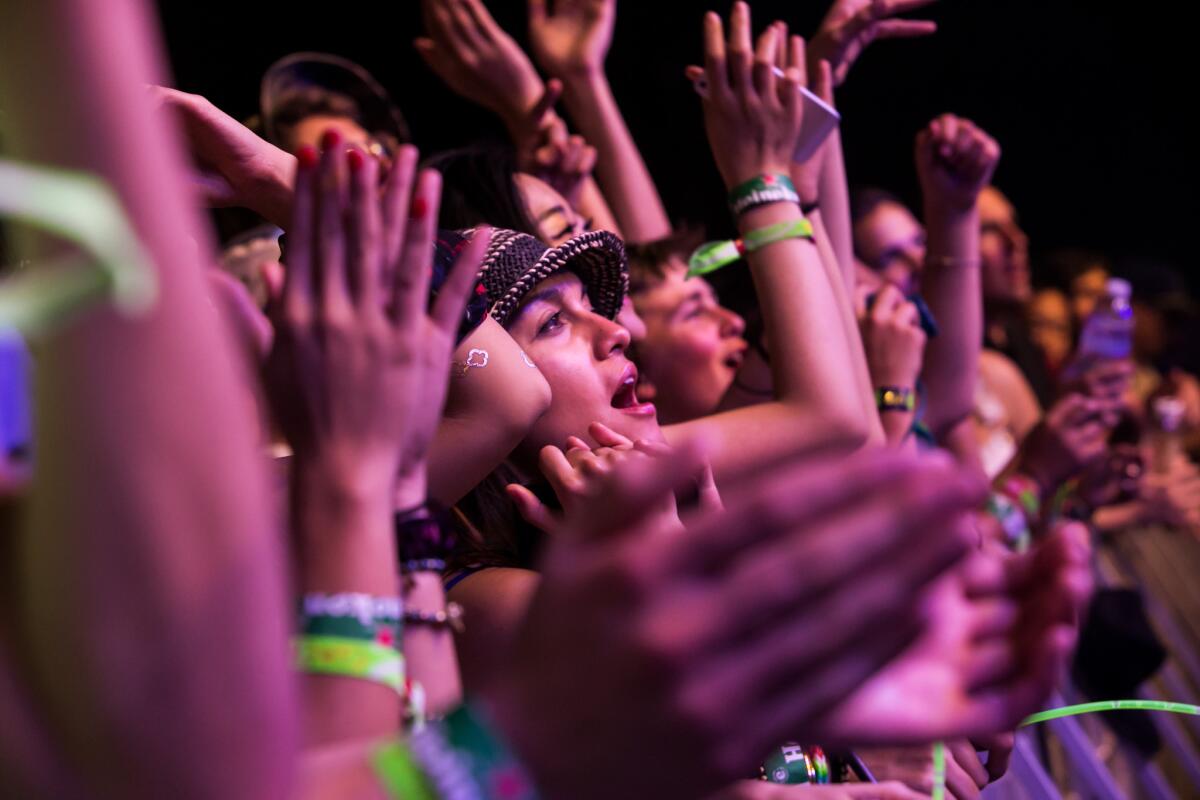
<point x="83" y="209"/>
<point x="939" y="748"/>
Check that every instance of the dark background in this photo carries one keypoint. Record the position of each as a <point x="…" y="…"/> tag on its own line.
<point x="1088" y="100"/>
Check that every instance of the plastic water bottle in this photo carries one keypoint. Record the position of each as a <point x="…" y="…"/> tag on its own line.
<point x="1108" y="332"/>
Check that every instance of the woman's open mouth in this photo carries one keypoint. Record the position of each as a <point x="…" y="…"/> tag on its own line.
<point x="626" y="399"/>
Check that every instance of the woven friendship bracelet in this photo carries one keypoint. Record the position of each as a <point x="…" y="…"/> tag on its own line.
<point x="760" y="191"/>
<point x="711" y="256"/>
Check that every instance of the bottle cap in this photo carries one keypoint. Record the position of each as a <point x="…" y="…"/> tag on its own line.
<point x="1118" y="287"/>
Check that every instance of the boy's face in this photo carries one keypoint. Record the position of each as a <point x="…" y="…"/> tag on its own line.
<point x="693" y="346"/>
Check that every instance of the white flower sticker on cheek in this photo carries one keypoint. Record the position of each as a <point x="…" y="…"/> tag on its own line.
<point x="528" y="363"/>
<point x="475" y="358"/>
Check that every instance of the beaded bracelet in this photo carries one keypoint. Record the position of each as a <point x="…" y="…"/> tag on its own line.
<point x="711" y="256"/>
<point x="792" y="763"/>
<point x="350" y="658"/>
<point x="450" y="617"/>
<point x="760" y="191"/>
<point x="423" y="565"/>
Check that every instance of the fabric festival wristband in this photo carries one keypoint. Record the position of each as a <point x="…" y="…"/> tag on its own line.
<point x="399" y="773"/>
<point x="492" y="765"/>
<point x="939" y="751"/>
<point x="350" y="658"/>
<point x="366" y="609"/>
<point x="760" y="191"/>
<point x="386" y="633"/>
<point x="711" y="256"/>
<point x="83" y="209"/>
<point x="895" y="398"/>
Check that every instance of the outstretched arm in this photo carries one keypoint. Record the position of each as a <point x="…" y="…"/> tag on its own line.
<point x="753" y="121"/>
<point x="153" y="598"/>
<point x="571" y="44"/>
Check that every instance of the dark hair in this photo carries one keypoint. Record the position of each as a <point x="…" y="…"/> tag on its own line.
<point x="865" y="199"/>
<point x="648" y="260"/>
<point x="479" y="187"/>
<point x="310" y="101"/>
<point x="496" y="535"/>
<point x="1062" y="266"/>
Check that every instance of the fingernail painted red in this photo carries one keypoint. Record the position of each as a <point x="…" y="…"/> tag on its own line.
<point x="418" y="209"/>
<point x="330" y="139"/>
<point x="307" y="156"/>
<point x="355" y="159"/>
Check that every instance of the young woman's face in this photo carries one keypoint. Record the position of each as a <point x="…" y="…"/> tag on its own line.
<point x="693" y="346"/>
<point x="556" y="220"/>
<point x="582" y="356"/>
<point x="1003" y="250"/>
<point x="891" y="242"/>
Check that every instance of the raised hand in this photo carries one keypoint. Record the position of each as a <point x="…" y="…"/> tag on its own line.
<point x="752" y="117"/>
<point x="547" y="150"/>
<point x="477" y="59"/>
<point x="955" y="161"/>
<point x="1000" y="633"/>
<point x="893" y="339"/>
<point x="574" y="37"/>
<point x="851" y="25"/>
<point x="591" y="486"/>
<point x="358" y="369"/>
<point x="234" y="165"/>
<point x="723" y="642"/>
<point x="1070" y="438"/>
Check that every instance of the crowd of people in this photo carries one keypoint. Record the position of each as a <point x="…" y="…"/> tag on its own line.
<point x="449" y="474"/>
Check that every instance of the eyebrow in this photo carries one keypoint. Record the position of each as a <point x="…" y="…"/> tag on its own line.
<point x="542" y="295"/>
<point x="550" y="212"/>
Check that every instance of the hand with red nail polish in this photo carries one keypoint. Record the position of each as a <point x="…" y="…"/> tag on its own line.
<point x="234" y="167"/>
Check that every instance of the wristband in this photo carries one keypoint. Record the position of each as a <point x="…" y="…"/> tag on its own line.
<point x="351" y="615"/>
<point x="711" y="256"/>
<point x="760" y="191"/>
<point x="792" y="763"/>
<point x="424" y="565"/>
<point x="421" y="534"/>
<point x="895" y="398"/>
<point x="493" y="766"/>
<point x="396" y="769"/>
<point x="350" y="658"/>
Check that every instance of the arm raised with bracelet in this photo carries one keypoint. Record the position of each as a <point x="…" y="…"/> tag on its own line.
<point x="955" y="161"/>
<point x="753" y="120"/>
<point x="358" y="376"/>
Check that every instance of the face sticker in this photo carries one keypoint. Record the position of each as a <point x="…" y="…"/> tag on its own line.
<point x="475" y="358"/>
<point x="528" y="363"/>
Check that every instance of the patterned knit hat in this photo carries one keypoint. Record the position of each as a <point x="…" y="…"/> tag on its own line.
<point x="517" y="262"/>
<point x="446" y="249"/>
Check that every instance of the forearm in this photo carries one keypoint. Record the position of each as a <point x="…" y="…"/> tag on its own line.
<point x="429" y="652"/>
<point x="593" y="206"/>
<point x="149" y="536"/>
<point x="810" y="350"/>
<point x="834" y="197"/>
<point x="865" y="388"/>
<point x="951" y="287"/>
<point x="345" y="544"/>
<point x="622" y="173"/>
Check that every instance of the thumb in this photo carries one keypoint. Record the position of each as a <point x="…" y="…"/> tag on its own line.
<point x="532" y="510"/>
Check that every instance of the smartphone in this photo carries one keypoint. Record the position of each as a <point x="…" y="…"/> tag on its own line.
<point x="16" y="434"/>
<point x="819" y="121"/>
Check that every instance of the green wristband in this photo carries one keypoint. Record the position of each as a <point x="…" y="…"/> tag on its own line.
<point x="350" y="658"/>
<point x="711" y="256"/>
<point x="760" y="191"/>
<point x="399" y="773"/>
